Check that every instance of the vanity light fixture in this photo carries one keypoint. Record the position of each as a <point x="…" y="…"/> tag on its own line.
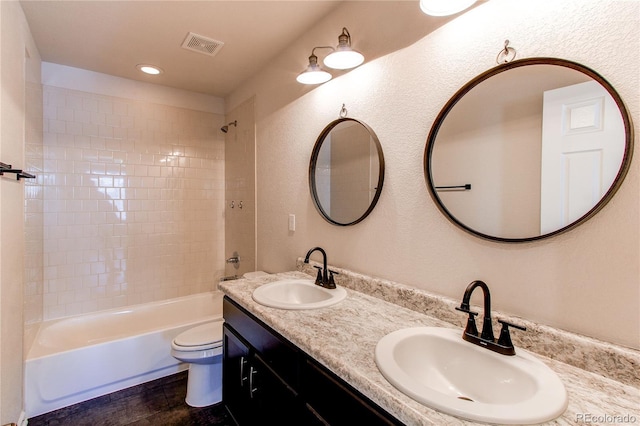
<point x="344" y="57"/>
<point x="149" y="69"/>
<point x="444" y="7"/>
<point x="314" y="74"/>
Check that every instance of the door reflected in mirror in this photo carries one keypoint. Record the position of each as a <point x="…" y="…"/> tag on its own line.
<point x="346" y="171"/>
<point x="542" y="143"/>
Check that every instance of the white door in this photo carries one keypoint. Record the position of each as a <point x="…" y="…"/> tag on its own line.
<point x="581" y="152"/>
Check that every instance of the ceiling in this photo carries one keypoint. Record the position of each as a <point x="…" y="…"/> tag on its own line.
<point x="112" y="37"/>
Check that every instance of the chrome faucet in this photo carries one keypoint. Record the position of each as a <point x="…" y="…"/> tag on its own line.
<point x="325" y="276"/>
<point x="486" y="339"/>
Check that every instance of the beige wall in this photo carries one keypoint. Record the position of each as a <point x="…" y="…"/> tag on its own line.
<point x="20" y="65"/>
<point x="133" y="195"/>
<point x="585" y="281"/>
<point x="34" y="217"/>
<point x="240" y="184"/>
<point x="33" y="194"/>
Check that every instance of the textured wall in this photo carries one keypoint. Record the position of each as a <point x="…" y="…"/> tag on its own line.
<point x="240" y="187"/>
<point x="34" y="217"/>
<point x="586" y="281"/>
<point x="20" y="68"/>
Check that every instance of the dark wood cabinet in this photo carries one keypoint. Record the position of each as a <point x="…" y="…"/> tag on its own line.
<point x="339" y="403"/>
<point x="235" y="377"/>
<point x="268" y="380"/>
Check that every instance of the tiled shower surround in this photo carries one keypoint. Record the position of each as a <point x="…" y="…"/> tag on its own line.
<point x="132" y="202"/>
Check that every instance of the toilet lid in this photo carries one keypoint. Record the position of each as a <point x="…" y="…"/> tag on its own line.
<point x="204" y="334"/>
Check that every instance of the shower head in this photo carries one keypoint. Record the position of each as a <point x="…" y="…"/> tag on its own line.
<point x="225" y="129"/>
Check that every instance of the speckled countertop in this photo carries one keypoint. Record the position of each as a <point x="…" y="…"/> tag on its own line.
<point x="343" y="338"/>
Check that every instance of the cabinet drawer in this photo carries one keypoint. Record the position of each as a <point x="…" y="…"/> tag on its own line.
<point x="274" y="350"/>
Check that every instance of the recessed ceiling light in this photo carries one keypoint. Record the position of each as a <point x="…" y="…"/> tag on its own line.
<point x="149" y="69"/>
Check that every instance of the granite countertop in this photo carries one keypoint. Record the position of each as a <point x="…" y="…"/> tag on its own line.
<point x="343" y="338"/>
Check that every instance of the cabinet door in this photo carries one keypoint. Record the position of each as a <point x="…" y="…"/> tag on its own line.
<point x="275" y="400"/>
<point x="338" y="403"/>
<point x="254" y="393"/>
<point x="235" y="377"/>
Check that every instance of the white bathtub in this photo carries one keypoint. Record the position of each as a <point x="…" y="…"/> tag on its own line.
<point x="78" y="358"/>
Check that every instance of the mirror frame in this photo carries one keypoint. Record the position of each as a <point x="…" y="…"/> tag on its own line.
<point x="624" y="167"/>
<point x="312" y="171"/>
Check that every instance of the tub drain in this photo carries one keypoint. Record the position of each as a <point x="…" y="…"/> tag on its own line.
<point x="464" y="398"/>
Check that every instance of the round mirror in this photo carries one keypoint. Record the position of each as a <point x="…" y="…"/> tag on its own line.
<point x="346" y="171"/>
<point x="528" y="149"/>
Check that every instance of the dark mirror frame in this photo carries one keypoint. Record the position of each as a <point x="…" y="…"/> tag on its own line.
<point x="312" y="171"/>
<point x="626" y="160"/>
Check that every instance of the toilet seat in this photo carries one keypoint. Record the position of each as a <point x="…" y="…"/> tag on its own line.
<point x="203" y="337"/>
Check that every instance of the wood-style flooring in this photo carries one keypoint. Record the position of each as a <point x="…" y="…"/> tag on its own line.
<point x="156" y="403"/>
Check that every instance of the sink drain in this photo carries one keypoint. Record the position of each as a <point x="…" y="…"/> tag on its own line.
<point x="464" y="398"/>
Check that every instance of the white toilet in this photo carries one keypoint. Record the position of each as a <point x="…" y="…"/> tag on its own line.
<point x="201" y="347"/>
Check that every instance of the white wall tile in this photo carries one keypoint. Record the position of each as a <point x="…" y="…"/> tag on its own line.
<point x="129" y="202"/>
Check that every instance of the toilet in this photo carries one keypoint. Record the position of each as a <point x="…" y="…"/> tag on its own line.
<point x="201" y="347"/>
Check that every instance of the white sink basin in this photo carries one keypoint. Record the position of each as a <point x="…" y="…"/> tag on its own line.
<point x="297" y="294"/>
<point x="437" y="368"/>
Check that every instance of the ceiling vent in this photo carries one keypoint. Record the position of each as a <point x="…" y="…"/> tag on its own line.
<point x="201" y="44"/>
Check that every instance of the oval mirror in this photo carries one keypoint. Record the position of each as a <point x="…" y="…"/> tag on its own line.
<point x="346" y="171"/>
<point x="528" y="149"/>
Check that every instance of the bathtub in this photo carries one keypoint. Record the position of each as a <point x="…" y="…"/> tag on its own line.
<point x="78" y="358"/>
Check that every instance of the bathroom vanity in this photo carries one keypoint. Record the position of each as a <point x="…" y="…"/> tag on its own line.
<point x="268" y="380"/>
<point x="317" y="366"/>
